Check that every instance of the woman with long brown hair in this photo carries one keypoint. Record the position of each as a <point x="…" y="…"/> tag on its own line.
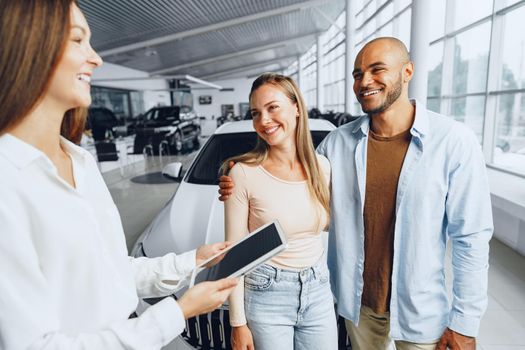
<point x="67" y="282"/>
<point x="286" y="303"/>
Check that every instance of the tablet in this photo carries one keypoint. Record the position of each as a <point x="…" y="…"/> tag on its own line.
<point x="243" y="256"/>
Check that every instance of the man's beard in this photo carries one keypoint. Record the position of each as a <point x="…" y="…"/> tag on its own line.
<point x="391" y="97"/>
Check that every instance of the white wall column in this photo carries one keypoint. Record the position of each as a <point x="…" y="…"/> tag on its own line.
<point x="490" y="126"/>
<point x="419" y="39"/>
<point x="349" y="56"/>
<point x="319" y="81"/>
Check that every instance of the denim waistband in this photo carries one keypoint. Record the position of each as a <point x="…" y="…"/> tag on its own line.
<point x="316" y="271"/>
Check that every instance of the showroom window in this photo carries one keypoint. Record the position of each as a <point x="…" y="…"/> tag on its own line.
<point x="509" y="149"/>
<point x="437" y="21"/>
<point x="466" y="12"/>
<point x="387" y="29"/>
<point x="404" y="27"/>
<point x="471" y="60"/>
<point x="479" y="81"/>
<point x="469" y="110"/>
<point x="512" y="74"/>
<point x="117" y="100"/>
<point x="473" y="78"/>
<point x="386" y="14"/>
<point x="333" y="70"/>
<point x="405" y="3"/>
<point x="500" y="4"/>
<point x="389" y="18"/>
<point x="509" y="145"/>
<point x="435" y="76"/>
<point x="309" y="77"/>
<point x="292" y="71"/>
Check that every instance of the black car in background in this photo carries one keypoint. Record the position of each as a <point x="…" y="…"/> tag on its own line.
<point x="166" y="124"/>
<point x="336" y="118"/>
<point x="101" y="121"/>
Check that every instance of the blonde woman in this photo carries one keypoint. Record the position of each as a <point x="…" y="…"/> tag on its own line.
<point x="286" y="303"/>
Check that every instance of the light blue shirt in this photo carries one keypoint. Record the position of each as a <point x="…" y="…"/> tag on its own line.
<point x="442" y="194"/>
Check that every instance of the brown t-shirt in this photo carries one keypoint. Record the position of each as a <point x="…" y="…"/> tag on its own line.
<point x="385" y="158"/>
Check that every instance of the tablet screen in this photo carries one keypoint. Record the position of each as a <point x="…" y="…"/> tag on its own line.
<point x="243" y="254"/>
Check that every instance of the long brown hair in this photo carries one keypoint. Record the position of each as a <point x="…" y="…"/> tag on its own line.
<point x="33" y="35"/>
<point x="303" y="140"/>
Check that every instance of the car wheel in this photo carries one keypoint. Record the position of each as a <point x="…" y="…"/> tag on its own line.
<point x="176" y="143"/>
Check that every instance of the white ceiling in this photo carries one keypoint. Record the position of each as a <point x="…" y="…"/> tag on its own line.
<point x="206" y="38"/>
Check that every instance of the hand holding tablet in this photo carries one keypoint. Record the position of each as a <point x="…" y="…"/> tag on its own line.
<point x="244" y="255"/>
<point x="207" y="251"/>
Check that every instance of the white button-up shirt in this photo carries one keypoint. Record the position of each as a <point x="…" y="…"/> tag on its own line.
<point x="67" y="281"/>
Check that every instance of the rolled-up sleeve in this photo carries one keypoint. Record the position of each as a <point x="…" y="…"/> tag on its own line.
<point x="470" y="227"/>
<point x="157" y="277"/>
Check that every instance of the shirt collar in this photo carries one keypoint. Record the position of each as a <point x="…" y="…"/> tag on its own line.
<point x="419" y="128"/>
<point x="22" y="154"/>
<point x="363" y="125"/>
<point x="18" y="152"/>
<point x="74" y="150"/>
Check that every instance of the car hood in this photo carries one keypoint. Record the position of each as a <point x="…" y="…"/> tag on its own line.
<point x="193" y="217"/>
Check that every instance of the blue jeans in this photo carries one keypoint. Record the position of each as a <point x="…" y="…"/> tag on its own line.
<point x="290" y="309"/>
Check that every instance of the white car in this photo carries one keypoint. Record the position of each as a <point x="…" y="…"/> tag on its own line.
<point x="194" y="216"/>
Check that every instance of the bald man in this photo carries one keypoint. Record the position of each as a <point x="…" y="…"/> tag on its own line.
<point x="404" y="181"/>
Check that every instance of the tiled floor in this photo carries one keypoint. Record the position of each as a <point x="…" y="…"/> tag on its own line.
<point x="139" y="203"/>
<point x="502" y="328"/>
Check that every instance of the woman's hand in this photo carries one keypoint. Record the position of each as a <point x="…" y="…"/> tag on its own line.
<point x="208" y="250"/>
<point x="242" y="338"/>
<point x="206" y="296"/>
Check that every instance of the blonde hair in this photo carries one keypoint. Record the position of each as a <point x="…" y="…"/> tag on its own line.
<point x="317" y="184"/>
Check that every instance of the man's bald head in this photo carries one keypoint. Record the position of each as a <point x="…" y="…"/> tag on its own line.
<point x="390" y="45"/>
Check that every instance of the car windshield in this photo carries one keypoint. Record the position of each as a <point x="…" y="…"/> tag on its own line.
<point x="163" y="114"/>
<point x="185" y="109"/>
<point x="205" y="169"/>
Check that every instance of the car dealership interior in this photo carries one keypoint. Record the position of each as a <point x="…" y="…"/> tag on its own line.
<point x="171" y="103"/>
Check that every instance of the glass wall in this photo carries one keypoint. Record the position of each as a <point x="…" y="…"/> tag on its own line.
<point x="471" y="57"/>
<point x="509" y="148"/>
<point x="116" y="100"/>
<point x="435" y="76"/>
<point x="309" y="76"/>
<point x="476" y="72"/>
<point x="292" y="71"/>
<point x="333" y="68"/>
